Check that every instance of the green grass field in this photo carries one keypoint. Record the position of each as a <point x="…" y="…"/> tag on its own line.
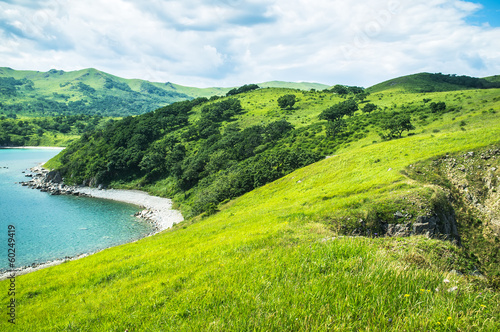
<point x="275" y="258"/>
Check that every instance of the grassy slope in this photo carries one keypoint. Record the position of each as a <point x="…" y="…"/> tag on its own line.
<point x="264" y="262"/>
<point x="261" y="106"/>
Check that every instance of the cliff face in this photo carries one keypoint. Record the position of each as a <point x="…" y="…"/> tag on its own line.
<point x="471" y="182"/>
<point x="476" y="178"/>
<point x="437" y="224"/>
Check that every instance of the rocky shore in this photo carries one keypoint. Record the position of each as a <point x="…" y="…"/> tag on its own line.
<point x="155" y="210"/>
<point x="49" y="181"/>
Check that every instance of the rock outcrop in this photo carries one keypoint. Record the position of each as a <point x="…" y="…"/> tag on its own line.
<point x="435" y="225"/>
<point x="50" y="182"/>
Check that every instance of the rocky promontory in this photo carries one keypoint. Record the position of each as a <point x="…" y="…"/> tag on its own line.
<point x="49" y="181"/>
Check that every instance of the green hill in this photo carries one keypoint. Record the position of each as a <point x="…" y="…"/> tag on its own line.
<point x="427" y="82"/>
<point x="87" y="91"/>
<point x="305" y="248"/>
<point x="495" y="78"/>
<point x="93" y="92"/>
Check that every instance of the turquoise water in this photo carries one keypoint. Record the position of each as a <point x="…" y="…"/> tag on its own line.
<point x="51" y="227"/>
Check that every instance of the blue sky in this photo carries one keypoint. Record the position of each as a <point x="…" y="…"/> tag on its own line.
<point x="234" y="42"/>
<point x="488" y="14"/>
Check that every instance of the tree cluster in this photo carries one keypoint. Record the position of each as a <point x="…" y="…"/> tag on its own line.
<point x="287" y="101"/>
<point x="112" y="84"/>
<point x="242" y="89"/>
<point x="345" y="89"/>
<point x="465" y="81"/>
<point x="437" y="107"/>
<point x="208" y="160"/>
<point x="8" y="85"/>
<point x="21" y="132"/>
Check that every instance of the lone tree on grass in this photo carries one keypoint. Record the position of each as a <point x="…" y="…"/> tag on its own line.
<point x="286" y="101"/>
<point x="396" y="124"/>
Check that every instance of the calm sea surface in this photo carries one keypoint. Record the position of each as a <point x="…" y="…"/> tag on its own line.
<point x="50" y="227"/>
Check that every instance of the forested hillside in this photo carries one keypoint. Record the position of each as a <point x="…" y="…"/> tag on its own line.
<point x="203" y="152"/>
<point x="47" y="131"/>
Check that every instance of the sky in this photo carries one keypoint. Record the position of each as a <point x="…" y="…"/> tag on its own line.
<point x="227" y="43"/>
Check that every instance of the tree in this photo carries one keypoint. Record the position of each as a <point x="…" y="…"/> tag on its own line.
<point x="362" y="96"/>
<point x="368" y="108"/>
<point x="335" y="114"/>
<point x="332" y="114"/>
<point x="396" y="124"/>
<point x="286" y="101"/>
<point x="241" y="89"/>
<point x="437" y="107"/>
<point x="356" y="90"/>
<point x="340" y="89"/>
<point x="339" y="110"/>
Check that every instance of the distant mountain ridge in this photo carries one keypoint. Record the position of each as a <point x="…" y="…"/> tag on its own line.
<point x="90" y="91"/>
<point x="427" y="82"/>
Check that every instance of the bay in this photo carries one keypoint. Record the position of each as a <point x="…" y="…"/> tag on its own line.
<point x="53" y="227"/>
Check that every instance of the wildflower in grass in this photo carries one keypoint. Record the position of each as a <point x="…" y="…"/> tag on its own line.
<point x="449" y="318"/>
<point x="407" y="295"/>
<point x="483" y="306"/>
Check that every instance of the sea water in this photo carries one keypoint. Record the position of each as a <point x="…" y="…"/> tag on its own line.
<point x="53" y="227"/>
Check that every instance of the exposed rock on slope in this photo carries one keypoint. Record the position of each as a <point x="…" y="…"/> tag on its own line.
<point x="472" y="182"/>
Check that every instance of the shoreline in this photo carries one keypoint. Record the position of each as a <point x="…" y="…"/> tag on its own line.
<point x="156" y="210"/>
<point x="33" y="147"/>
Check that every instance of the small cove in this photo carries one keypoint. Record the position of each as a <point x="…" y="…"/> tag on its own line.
<point x="54" y="227"/>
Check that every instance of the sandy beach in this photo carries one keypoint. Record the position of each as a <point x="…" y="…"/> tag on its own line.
<point x="162" y="213"/>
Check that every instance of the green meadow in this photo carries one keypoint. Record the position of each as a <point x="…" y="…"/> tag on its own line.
<point x="283" y="257"/>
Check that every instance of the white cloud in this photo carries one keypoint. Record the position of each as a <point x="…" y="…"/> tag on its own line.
<point x="233" y="42"/>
